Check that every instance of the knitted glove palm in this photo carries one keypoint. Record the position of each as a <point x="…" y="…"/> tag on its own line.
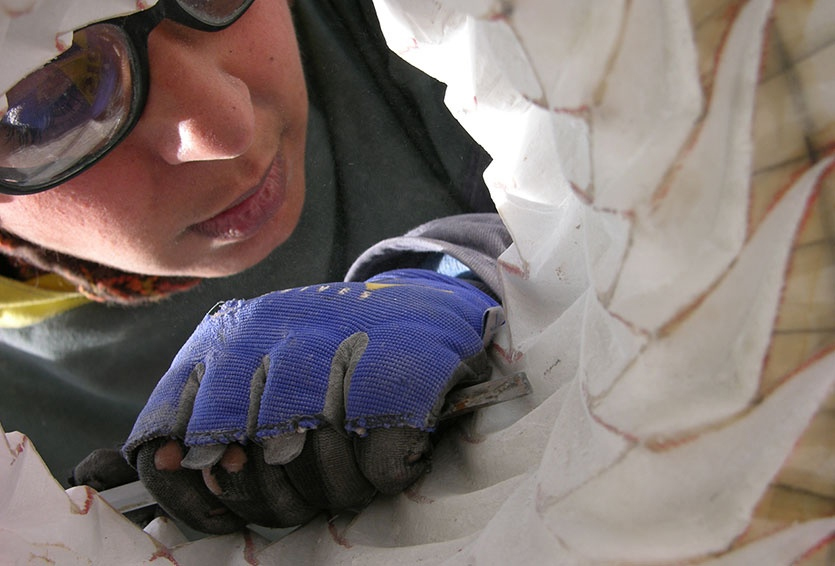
<point x="328" y="393"/>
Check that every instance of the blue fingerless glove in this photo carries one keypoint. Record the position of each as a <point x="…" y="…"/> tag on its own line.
<point x="329" y="392"/>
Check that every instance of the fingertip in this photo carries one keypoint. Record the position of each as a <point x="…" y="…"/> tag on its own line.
<point x="211" y="481"/>
<point x="234" y="459"/>
<point x="182" y="492"/>
<point x="169" y="457"/>
<point x="393" y="459"/>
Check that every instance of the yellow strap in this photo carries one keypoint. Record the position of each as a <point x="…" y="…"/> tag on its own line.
<point x="27" y="303"/>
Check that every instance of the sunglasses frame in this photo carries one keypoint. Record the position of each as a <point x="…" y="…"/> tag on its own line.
<point x="136" y="29"/>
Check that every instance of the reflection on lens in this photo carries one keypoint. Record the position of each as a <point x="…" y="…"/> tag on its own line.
<point x="69" y="110"/>
<point x="215" y="12"/>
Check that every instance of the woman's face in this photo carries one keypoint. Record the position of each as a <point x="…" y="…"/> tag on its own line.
<point x="211" y="179"/>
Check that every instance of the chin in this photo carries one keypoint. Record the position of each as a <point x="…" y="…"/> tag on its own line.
<point x="226" y="268"/>
<point x="233" y="258"/>
<point x="200" y="256"/>
<point x="225" y="257"/>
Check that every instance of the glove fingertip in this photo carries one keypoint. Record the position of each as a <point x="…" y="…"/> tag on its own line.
<point x="280" y="450"/>
<point x="199" y="457"/>
<point x="184" y="495"/>
<point x="103" y="469"/>
<point x="392" y="459"/>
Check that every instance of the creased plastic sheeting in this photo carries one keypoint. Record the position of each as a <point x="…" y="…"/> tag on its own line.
<point x="666" y="171"/>
<point x="34" y="31"/>
<point x="41" y="524"/>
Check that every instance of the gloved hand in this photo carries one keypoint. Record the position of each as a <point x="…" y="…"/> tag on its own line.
<point x="308" y="399"/>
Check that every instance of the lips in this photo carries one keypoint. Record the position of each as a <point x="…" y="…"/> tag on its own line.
<point x="251" y="211"/>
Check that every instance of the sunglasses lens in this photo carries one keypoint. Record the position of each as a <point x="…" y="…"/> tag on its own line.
<point x="215" y="12"/>
<point x="68" y="112"/>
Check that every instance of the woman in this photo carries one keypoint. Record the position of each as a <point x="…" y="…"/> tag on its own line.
<point x="223" y="176"/>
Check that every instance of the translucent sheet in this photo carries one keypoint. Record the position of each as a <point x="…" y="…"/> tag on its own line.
<point x="35" y="31"/>
<point x="666" y="171"/>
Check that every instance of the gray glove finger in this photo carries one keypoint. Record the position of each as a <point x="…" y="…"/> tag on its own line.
<point x="320" y="463"/>
<point x="184" y="495"/>
<point x="103" y="469"/>
<point x="260" y="493"/>
<point x="326" y="474"/>
<point x="392" y="459"/>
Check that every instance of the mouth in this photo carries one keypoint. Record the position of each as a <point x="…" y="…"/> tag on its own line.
<point x="248" y="214"/>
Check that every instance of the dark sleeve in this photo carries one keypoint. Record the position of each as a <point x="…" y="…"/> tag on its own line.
<point x="475" y="240"/>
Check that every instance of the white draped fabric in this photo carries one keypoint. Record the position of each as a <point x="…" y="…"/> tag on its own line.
<point x="43" y="28"/>
<point x="666" y="171"/>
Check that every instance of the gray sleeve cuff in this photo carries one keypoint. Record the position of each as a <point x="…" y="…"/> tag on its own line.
<point x="476" y="240"/>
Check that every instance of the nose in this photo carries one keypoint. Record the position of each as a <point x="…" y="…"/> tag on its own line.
<point x="196" y="109"/>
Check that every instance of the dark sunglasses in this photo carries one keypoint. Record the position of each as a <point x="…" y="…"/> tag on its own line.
<point x="68" y="114"/>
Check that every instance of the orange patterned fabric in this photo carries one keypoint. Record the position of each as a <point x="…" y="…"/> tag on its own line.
<point x="97" y="282"/>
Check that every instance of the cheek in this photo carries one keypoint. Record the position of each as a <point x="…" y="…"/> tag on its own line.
<point x="126" y="218"/>
<point x="265" y="54"/>
<point x="93" y="221"/>
<point x="133" y="209"/>
<point x="46" y="217"/>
